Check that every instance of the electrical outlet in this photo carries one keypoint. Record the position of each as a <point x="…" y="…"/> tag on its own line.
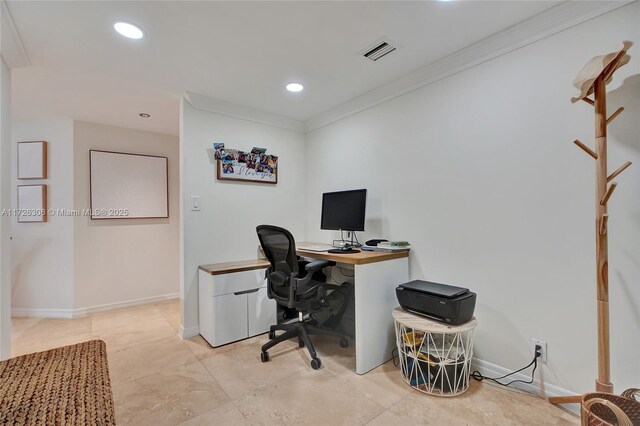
<point x="543" y="350"/>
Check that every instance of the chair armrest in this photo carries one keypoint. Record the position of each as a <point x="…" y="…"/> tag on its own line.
<point x="316" y="265"/>
<point x="313" y="267"/>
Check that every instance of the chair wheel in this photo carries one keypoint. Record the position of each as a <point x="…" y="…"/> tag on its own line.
<point x="344" y="342"/>
<point x="264" y="356"/>
<point x="300" y="343"/>
<point x="316" y="363"/>
<point x="272" y="335"/>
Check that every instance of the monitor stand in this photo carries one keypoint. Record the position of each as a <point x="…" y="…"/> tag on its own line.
<point x="343" y="251"/>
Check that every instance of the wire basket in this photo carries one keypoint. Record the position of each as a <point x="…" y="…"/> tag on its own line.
<point x="434" y="358"/>
<point x="605" y="409"/>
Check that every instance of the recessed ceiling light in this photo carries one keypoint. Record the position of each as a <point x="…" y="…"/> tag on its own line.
<point x="144" y="115"/>
<point x="128" y="30"/>
<point x="295" y="87"/>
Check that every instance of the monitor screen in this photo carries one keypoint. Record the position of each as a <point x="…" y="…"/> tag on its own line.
<point x="344" y="210"/>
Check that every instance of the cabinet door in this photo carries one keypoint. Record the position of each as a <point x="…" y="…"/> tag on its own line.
<point x="229" y="318"/>
<point x="262" y="312"/>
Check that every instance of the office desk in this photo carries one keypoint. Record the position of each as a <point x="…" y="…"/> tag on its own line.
<point x="376" y="276"/>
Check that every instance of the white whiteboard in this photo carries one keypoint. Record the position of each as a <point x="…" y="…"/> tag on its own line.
<point x="128" y="186"/>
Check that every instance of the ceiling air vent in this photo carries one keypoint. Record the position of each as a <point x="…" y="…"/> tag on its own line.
<point x="379" y="49"/>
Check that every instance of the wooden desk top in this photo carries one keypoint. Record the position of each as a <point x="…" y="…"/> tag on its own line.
<point x="231" y="267"/>
<point x="361" y="258"/>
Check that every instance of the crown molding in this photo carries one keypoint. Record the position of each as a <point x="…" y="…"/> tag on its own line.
<point x="545" y="24"/>
<point x="12" y="51"/>
<point x="205" y="103"/>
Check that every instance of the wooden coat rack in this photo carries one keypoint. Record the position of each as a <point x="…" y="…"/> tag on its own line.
<point x="604" y="189"/>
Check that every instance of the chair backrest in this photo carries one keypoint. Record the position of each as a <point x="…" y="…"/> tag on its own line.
<point x="280" y="249"/>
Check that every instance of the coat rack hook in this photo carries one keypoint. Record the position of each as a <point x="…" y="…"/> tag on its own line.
<point x="603" y="224"/>
<point x="589" y="101"/>
<point x="586" y="149"/>
<point x="615" y="114"/>
<point x="608" y="194"/>
<point x="618" y="171"/>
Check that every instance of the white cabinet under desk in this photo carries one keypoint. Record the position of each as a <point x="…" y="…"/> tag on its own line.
<point x="233" y="302"/>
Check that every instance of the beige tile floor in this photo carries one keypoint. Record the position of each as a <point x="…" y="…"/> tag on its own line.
<point x="159" y="379"/>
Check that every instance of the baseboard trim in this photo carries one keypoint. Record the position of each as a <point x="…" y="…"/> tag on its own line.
<point x="42" y="313"/>
<point x="185" y="333"/>
<point x="538" y="388"/>
<point x="80" y="312"/>
<point x="126" y="304"/>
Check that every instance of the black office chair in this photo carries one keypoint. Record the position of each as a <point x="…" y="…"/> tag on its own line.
<point x="291" y="283"/>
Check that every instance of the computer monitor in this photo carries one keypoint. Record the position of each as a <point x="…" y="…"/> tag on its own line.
<point x="344" y="210"/>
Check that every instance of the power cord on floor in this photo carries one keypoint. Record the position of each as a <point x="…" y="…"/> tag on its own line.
<point x="395" y="357"/>
<point x="479" y="377"/>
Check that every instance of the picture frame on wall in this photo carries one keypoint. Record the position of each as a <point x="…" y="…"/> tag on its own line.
<point x="254" y="166"/>
<point x="32" y="203"/>
<point x="32" y="160"/>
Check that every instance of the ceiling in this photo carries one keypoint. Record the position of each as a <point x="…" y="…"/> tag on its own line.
<point x="239" y="52"/>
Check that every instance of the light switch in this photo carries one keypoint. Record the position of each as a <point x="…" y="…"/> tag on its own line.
<point x="195" y="203"/>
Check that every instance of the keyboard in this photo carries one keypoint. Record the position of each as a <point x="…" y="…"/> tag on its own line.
<point x="314" y="248"/>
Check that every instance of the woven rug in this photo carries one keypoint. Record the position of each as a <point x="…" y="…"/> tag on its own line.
<point x="62" y="386"/>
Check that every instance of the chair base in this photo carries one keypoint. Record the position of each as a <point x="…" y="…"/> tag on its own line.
<point x="301" y="329"/>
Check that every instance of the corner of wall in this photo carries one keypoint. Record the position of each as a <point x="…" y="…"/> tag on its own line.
<point x="5" y="203"/>
<point x="183" y="103"/>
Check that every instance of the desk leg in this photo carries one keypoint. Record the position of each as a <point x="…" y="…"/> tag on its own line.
<point x="375" y="294"/>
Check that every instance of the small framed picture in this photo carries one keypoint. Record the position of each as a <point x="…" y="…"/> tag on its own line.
<point x="32" y="160"/>
<point x="32" y="203"/>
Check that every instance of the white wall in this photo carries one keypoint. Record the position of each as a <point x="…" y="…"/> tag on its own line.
<point x="479" y="172"/>
<point x="5" y="203"/>
<point x="124" y="260"/>
<point x="42" y="253"/>
<point x="224" y="229"/>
